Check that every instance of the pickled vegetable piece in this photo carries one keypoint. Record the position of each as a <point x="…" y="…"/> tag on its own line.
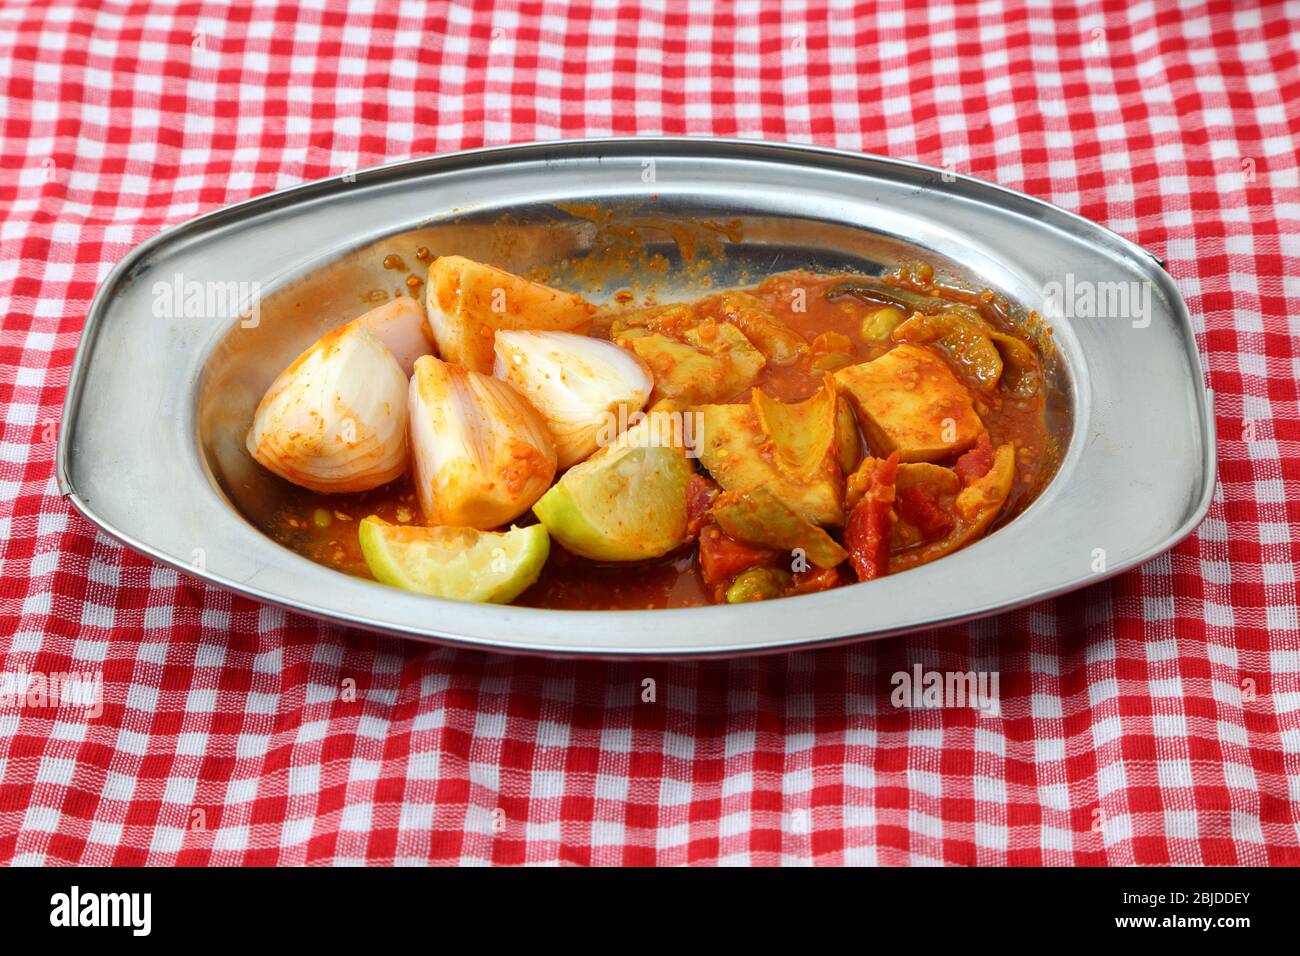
<point x="722" y="557"/>
<point x="976" y="462"/>
<point x="975" y="508"/>
<point x="1020" y="374"/>
<point x="880" y="325"/>
<point x="966" y="344"/>
<point x="877" y="290"/>
<point x="980" y="501"/>
<point x="581" y="385"/>
<point x="758" y="584"/>
<point x="705" y="368"/>
<point x="816" y="579"/>
<point x="700" y="492"/>
<point x="858" y="482"/>
<point x="670" y="320"/>
<point x="798" y="460"/>
<point x="759" y="517"/>
<point x="924" y="503"/>
<point x="867" y="534"/>
<point x="847" y="440"/>
<point x="910" y="402"/>
<point x="334" y="421"/>
<point x="627" y="502"/>
<point x="919" y="508"/>
<point x="936" y="480"/>
<point x="482" y="453"/>
<point x="803" y="433"/>
<point x="400" y="325"/>
<point x="829" y="342"/>
<point x="779" y="344"/>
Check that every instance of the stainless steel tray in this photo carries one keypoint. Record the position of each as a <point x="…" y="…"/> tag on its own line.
<point x="151" y="444"/>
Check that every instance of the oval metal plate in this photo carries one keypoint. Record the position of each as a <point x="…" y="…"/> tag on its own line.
<point x="156" y="406"/>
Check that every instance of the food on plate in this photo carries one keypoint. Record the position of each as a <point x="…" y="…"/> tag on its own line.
<point x="578" y="383"/>
<point x="790" y="448"/>
<point x="692" y="361"/>
<point x="909" y="401"/>
<point x="460" y="563"/>
<point x="504" y="441"/>
<point x="628" y="501"/>
<point x="481" y="453"/>
<point x="468" y="301"/>
<point x="400" y="325"/>
<point x="334" y="421"/>
<point x="759" y="517"/>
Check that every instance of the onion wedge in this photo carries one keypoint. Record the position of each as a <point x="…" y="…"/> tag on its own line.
<point x="335" y="420"/>
<point x="482" y="454"/>
<point x="585" y="388"/>
<point x="400" y="325"/>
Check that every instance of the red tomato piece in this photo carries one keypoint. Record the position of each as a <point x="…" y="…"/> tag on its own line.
<point x="815" y="579"/>
<point x="866" y="536"/>
<point x="919" y="508"/>
<point x="722" y="557"/>
<point x="976" y="462"/>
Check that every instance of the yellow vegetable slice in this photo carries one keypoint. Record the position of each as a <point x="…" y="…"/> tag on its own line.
<point x="910" y="402"/>
<point x="802" y="433"/>
<point x="789" y="449"/>
<point x="1019" y="365"/>
<point x="779" y="344"/>
<point x="848" y="442"/>
<point x="703" y="368"/>
<point x="760" y="517"/>
<point x="966" y="343"/>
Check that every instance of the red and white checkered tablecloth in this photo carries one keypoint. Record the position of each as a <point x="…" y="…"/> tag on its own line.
<point x="1151" y="719"/>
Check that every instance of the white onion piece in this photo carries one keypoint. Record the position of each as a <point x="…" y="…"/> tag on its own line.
<point x="468" y="301"/>
<point x="585" y="388"/>
<point x="335" y="420"/>
<point x="400" y="325"/>
<point x="482" y="454"/>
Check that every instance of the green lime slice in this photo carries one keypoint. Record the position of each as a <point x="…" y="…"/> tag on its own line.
<point x="623" y="504"/>
<point x="458" y="563"/>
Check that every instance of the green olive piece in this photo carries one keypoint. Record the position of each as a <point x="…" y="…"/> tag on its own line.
<point x="878" y="326"/>
<point x="758" y="584"/>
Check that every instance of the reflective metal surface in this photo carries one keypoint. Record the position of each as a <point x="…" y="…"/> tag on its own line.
<point x="160" y="396"/>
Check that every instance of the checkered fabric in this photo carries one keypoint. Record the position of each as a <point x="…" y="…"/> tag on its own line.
<point x="1152" y="719"/>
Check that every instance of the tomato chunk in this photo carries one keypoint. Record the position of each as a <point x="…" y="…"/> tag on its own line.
<point x="976" y="462"/>
<point x="866" y="536"/>
<point x="722" y="557"/>
<point x="815" y="579"/>
<point x="919" y="508"/>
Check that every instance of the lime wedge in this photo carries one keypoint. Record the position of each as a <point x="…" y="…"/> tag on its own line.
<point x="458" y="563"/>
<point x="625" y="503"/>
